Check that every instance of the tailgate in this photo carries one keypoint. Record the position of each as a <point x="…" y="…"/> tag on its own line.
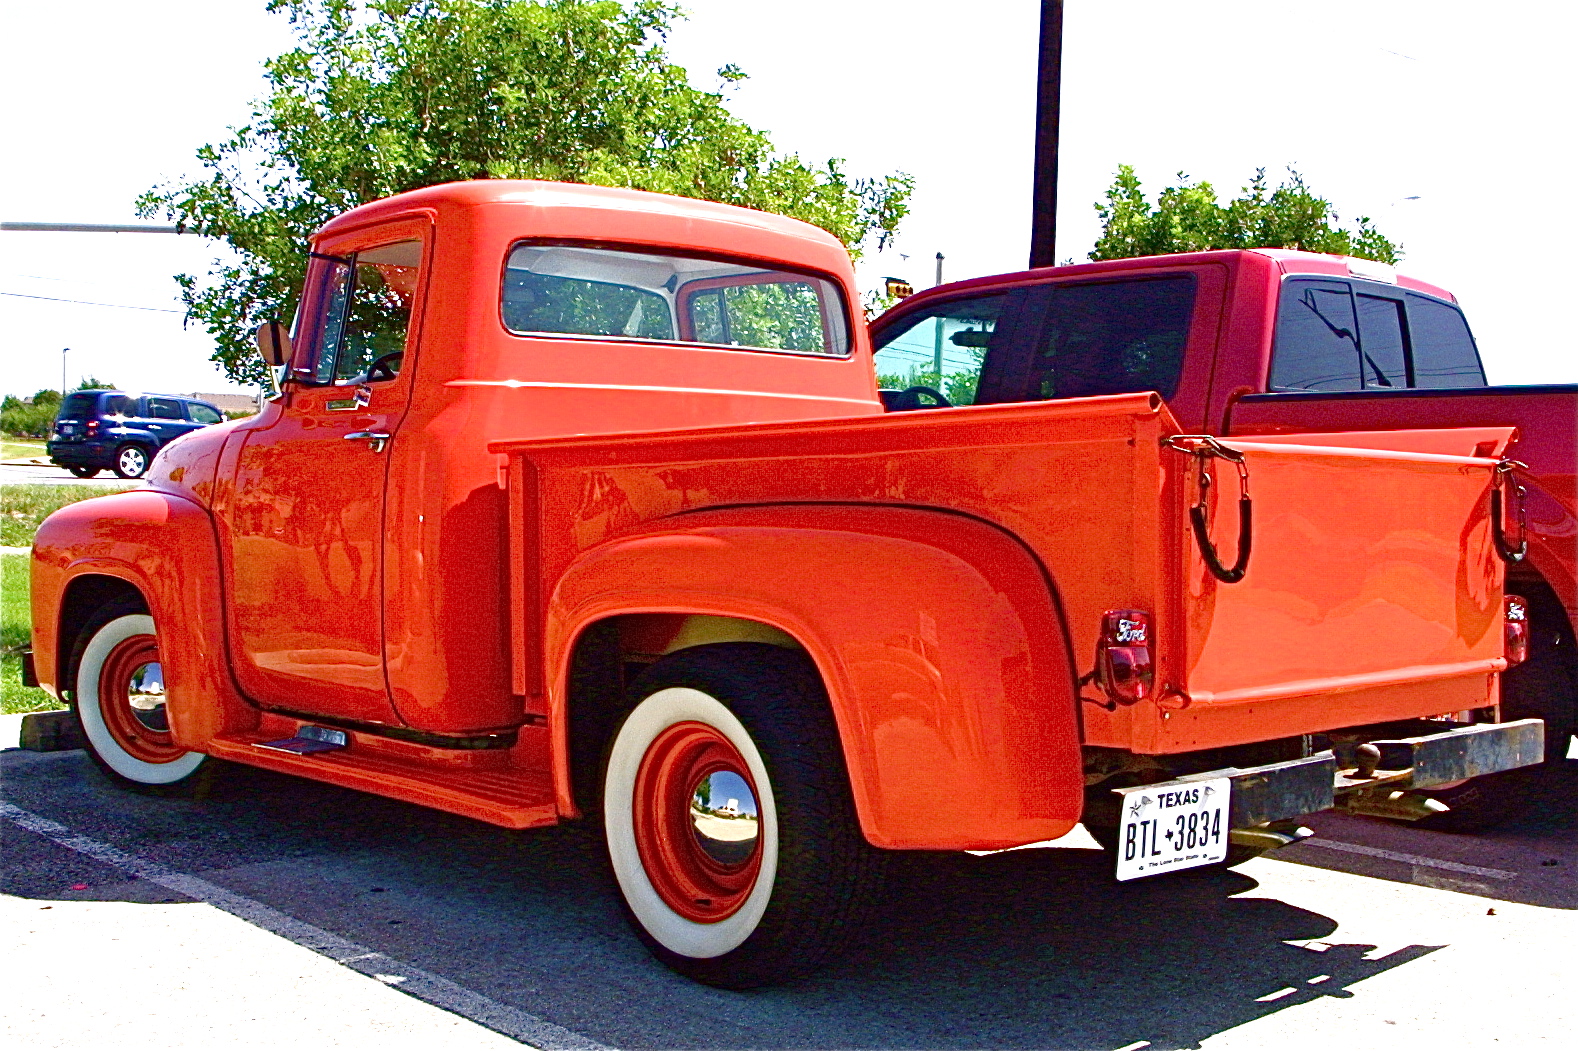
<point x="1373" y="590"/>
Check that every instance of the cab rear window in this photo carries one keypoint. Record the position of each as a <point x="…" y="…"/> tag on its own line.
<point x="576" y="290"/>
<point x="1337" y="335"/>
<point x="78" y="406"/>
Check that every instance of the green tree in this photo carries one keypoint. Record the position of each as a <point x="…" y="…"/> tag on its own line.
<point x="1188" y="218"/>
<point x="383" y="96"/>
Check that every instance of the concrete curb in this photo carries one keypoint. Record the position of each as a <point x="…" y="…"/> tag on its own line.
<point x="54" y="731"/>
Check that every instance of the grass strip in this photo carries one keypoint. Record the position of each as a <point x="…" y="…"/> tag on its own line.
<point x="23" y="508"/>
<point x="15" y="632"/>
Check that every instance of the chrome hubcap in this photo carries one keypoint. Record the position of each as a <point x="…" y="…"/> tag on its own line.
<point x="145" y="692"/>
<point x="724" y="817"/>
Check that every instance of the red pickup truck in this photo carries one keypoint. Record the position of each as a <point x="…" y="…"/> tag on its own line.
<point x="582" y="502"/>
<point x="1267" y="342"/>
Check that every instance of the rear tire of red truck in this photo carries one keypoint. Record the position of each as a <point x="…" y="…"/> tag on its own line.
<point x="118" y="696"/>
<point x="728" y="818"/>
<point x="1542" y="687"/>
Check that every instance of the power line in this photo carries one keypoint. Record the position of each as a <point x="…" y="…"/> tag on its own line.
<point x="86" y="303"/>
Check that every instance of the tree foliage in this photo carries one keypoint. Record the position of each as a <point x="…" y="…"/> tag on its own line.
<point x="383" y="96"/>
<point x="1188" y="218"/>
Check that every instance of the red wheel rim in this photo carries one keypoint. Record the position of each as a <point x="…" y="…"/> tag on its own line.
<point x="131" y="701"/>
<point x="702" y="861"/>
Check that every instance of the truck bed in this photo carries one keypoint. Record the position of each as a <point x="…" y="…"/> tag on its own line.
<point x="1372" y="575"/>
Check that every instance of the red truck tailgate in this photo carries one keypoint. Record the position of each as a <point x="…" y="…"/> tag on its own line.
<point x="1373" y="591"/>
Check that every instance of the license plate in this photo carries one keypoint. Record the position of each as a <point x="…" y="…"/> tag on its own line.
<point x="1173" y="826"/>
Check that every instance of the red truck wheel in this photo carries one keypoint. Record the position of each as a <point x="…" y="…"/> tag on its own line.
<point x="728" y="820"/>
<point x="120" y="703"/>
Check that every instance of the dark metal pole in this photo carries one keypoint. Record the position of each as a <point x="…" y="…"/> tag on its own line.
<point x="1049" y="76"/>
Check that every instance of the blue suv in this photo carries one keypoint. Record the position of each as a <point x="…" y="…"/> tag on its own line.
<point x="98" y="429"/>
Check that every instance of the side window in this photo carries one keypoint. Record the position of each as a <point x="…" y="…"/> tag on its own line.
<point x="1444" y="352"/>
<point x="587" y="291"/>
<point x="354" y="330"/>
<point x="1317" y="347"/>
<point x="197" y="412"/>
<point x="1381" y="341"/>
<point x="164" y="409"/>
<point x="944" y="347"/>
<point x="1114" y="337"/>
<point x="119" y="405"/>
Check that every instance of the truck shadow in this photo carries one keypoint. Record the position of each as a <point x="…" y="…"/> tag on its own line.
<point x="1024" y="949"/>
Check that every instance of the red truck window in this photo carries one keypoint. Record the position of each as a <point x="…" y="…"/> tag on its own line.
<point x="1317" y="347"/>
<point x="1111" y="337"/>
<point x="582" y="290"/>
<point x="1335" y="335"/>
<point x="1444" y="351"/>
<point x="956" y="334"/>
<point x="1381" y="340"/>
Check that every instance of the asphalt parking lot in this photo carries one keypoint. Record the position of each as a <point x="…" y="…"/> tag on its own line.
<point x="278" y="911"/>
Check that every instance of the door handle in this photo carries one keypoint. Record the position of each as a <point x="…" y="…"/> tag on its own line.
<point x="376" y="439"/>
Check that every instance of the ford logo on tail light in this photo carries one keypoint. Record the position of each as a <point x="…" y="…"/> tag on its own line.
<point x="1517" y="629"/>
<point x="1123" y="657"/>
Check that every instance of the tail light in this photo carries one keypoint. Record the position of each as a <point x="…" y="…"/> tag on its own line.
<point x="1123" y="658"/>
<point x="1517" y="629"/>
<point x="93" y="426"/>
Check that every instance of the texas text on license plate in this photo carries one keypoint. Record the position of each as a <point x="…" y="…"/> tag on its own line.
<point x="1172" y="826"/>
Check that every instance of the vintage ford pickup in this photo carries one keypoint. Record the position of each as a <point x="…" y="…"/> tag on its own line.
<point x="582" y="503"/>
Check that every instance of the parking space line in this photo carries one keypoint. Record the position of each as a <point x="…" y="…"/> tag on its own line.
<point x="1409" y="859"/>
<point x="423" y="985"/>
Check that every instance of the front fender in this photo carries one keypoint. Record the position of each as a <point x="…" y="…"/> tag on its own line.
<point x="937" y="635"/>
<point x="164" y="546"/>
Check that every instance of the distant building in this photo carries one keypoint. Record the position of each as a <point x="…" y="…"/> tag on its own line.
<point x="232" y="402"/>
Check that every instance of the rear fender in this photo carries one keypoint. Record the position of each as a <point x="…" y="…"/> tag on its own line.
<point x="937" y="636"/>
<point x="162" y="545"/>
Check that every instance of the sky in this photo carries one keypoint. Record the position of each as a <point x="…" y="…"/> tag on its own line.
<point x="1449" y="124"/>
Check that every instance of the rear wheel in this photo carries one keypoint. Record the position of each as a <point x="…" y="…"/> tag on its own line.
<point x="119" y="699"/>
<point x="85" y="472"/>
<point x="1542" y="687"/>
<point x="728" y="819"/>
<point x="131" y="461"/>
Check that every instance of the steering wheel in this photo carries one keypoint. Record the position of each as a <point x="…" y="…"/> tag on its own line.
<point x="910" y="398"/>
<point x="386" y="367"/>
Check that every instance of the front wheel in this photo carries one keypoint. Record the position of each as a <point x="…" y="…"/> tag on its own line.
<point x="84" y="472"/>
<point x="119" y="698"/>
<point x="728" y="818"/>
<point x="131" y="461"/>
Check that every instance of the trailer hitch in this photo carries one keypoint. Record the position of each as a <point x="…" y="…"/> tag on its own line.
<point x="1504" y="479"/>
<point x="1204" y="447"/>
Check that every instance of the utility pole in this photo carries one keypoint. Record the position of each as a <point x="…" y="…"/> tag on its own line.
<point x="63" y="352"/>
<point x="1049" y="76"/>
<point x="937" y="342"/>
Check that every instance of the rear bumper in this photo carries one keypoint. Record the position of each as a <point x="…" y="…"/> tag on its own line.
<point x="81" y="454"/>
<point x="1298" y="787"/>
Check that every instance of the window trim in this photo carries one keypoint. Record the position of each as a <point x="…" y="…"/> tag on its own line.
<point x="776" y="266"/>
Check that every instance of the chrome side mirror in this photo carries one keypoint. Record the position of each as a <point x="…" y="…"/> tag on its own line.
<point x="273" y="340"/>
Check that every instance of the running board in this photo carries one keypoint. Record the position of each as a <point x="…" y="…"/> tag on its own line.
<point x="497" y="792"/>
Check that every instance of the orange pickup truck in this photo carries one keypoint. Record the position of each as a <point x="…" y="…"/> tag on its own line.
<point x="582" y="503"/>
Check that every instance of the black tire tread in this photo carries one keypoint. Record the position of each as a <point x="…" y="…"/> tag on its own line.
<point x="197" y="784"/>
<point x="829" y="877"/>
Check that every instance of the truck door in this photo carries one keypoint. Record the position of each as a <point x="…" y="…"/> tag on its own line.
<point x="306" y="533"/>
